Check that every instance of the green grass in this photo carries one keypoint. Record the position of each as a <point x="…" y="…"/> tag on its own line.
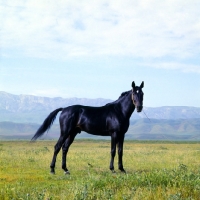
<point x="155" y="170"/>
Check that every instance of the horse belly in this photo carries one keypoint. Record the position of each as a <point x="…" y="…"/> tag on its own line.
<point x="95" y="129"/>
<point x="99" y="122"/>
<point x="100" y="133"/>
<point x="93" y="125"/>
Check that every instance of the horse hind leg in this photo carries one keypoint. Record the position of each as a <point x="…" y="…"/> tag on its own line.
<point x="65" y="149"/>
<point x="57" y="148"/>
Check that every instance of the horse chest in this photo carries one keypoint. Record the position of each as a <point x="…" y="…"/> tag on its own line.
<point x="119" y="125"/>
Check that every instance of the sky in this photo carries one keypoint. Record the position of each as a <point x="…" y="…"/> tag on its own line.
<point x="95" y="49"/>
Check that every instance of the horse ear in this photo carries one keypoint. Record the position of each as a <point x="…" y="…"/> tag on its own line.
<point x="142" y="84"/>
<point x="133" y="84"/>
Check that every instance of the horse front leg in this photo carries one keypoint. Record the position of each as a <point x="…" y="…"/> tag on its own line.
<point x="113" y="151"/>
<point x="120" y="154"/>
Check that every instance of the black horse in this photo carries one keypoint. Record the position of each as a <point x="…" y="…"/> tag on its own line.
<point x="109" y="120"/>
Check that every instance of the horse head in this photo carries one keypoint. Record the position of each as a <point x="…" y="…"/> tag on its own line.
<point x="137" y="96"/>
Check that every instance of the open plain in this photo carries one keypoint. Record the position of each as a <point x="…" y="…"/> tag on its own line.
<point x="155" y="170"/>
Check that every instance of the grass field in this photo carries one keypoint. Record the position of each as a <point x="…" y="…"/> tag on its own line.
<point x="155" y="170"/>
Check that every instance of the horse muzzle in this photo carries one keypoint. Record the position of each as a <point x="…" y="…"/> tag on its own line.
<point x="139" y="108"/>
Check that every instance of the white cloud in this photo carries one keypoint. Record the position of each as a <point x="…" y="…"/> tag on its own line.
<point x="175" y="66"/>
<point x="59" y="29"/>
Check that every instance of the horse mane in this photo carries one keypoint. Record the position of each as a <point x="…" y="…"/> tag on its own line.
<point x="121" y="96"/>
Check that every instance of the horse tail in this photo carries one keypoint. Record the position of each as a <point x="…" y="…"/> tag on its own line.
<point x="46" y="124"/>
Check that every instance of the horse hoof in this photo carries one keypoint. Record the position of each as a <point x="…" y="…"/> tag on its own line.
<point x="53" y="173"/>
<point x="66" y="172"/>
<point x="113" y="171"/>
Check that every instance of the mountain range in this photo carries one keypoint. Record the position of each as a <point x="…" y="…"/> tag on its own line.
<point x="33" y="109"/>
<point x="21" y="115"/>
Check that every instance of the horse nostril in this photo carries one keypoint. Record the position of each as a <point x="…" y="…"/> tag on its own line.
<point x="139" y="108"/>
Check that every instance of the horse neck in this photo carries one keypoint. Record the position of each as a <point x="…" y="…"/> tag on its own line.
<point x="127" y="105"/>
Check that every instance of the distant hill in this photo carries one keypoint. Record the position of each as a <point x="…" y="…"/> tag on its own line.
<point x="21" y="115"/>
<point x="178" y="129"/>
<point x="141" y="129"/>
<point x="34" y="109"/>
